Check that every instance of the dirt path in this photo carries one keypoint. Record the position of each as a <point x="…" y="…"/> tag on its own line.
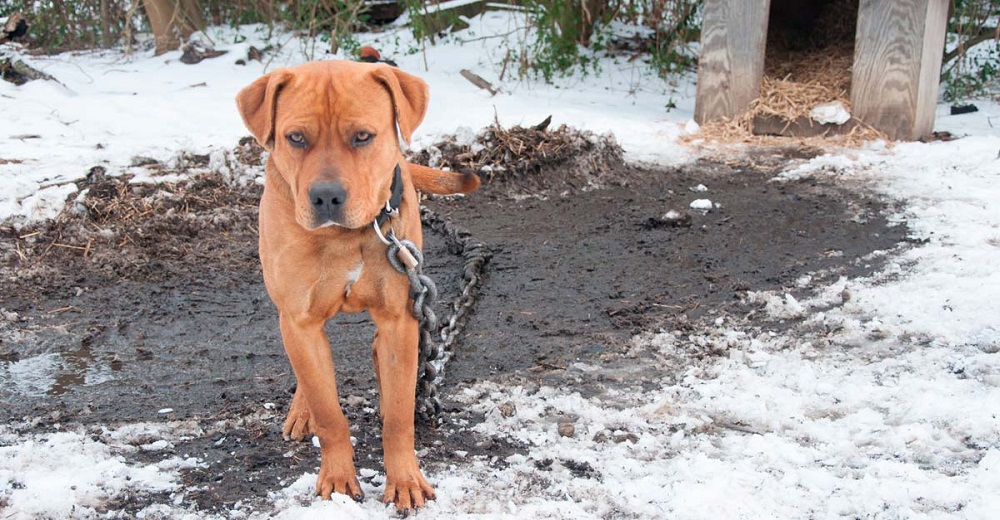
<point x="160" y="313"/>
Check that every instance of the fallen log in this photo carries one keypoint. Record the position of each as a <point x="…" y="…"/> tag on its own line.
<point x="18" y="72"/>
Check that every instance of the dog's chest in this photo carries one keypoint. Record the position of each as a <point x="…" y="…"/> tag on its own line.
<point x="352" y="276"/>
<point x="357" y="282"/>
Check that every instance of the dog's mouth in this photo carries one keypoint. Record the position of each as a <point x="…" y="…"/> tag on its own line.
<point x="327" y="224"/>
<point x="317" y="221"/>
<point x="312" y="218"/>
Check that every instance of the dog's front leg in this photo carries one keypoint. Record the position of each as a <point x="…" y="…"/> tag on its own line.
<point x="309" y="352"/>
<point x="395" y="356"/>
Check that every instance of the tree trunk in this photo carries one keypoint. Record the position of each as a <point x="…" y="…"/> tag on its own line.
<point x="105" y="24"/>
<point x="173" y="21"/>
<point x="577" y="18"/>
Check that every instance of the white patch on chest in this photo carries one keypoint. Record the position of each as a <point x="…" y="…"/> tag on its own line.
<point x="352" y="276"/>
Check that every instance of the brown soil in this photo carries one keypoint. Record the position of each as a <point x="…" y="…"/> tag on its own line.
<point x="150" y="297"/>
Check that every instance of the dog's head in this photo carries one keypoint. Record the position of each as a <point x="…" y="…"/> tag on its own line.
<point x="334" y="131"/>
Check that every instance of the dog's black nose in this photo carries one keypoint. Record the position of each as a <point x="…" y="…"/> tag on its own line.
<point x="327" y="198"/>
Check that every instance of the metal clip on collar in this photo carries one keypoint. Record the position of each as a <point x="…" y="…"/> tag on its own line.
<point x="391" y="209"/>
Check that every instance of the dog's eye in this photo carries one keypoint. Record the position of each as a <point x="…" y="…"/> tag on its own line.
<point x="296" y="139"/>
<point x="362" y="138"/>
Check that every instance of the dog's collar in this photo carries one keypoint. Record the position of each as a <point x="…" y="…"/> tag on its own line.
<point x="391" y="209"/>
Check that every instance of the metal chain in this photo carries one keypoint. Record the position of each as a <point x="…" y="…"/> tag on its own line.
<point x="406" y="257"/>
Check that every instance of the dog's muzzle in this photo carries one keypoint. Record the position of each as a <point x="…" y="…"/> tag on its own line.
<point x="327" y="199"/>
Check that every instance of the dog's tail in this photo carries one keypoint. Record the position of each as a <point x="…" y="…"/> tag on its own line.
<point x="430" y="180"/>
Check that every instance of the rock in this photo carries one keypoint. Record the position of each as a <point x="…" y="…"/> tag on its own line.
<point x="620" y="437"/>
<point x="672" y="218"/>
<point x="195" y="53"/>
<point x="507" y="409"/>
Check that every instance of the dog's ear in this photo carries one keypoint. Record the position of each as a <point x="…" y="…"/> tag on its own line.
<point x="257" y="103"/>
<point x="409" y="98"/>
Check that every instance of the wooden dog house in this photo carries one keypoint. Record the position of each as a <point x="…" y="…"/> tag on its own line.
<point x="897" y="51"/>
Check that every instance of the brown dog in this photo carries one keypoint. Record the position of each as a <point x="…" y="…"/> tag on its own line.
<point x="333" y="130"/>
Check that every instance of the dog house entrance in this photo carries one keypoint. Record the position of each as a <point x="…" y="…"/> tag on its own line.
<point x="809" y="55"/>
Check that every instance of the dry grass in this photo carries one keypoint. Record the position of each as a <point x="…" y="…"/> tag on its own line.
<point x="739" y="130"/>
<point x="829" y="66"/>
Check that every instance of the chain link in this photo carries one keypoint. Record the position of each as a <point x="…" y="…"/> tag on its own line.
<point x="406" y="257"/>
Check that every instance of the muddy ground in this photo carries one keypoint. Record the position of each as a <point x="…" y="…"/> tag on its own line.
<point x="146" y="302"/>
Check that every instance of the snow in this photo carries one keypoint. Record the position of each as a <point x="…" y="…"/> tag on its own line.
<point x="68" y="474"/>
<point x="830" y="113"/>
<point x="947" y="188"/>
<point x="893" y="414"/>
<point x="701" y="204"/>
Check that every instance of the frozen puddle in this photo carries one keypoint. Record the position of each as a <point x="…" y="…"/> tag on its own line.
<point x="53" y="373"/>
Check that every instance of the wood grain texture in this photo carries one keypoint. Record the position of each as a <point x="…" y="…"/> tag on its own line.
<point x="897" y="60"/>
<point x="930" y="67"/>
<point x="732" y="57"/>
<point x="800" y="127"/>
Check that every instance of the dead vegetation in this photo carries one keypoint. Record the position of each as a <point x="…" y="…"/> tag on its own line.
<point x="120" y="228"/>
<point x="530" y="158"/>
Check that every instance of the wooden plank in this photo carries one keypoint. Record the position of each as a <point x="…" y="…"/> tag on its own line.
<point x="731" y="64"/>
<point x="800" y="127"/>
<point x="897" y="61"/>
<point x="930" y="67"/>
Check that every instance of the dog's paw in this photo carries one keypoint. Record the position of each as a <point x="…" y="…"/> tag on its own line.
<point x="298" y="425"/>
<point x="408" y="491"/>
<point x="338" y="478"/>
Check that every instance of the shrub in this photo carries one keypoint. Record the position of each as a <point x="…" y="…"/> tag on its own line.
<point x="971" y="65"/>
<point x="567" y="36"/>
<point x="57" y="25"/>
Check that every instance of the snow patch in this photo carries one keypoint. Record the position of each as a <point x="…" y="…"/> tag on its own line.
<point x="69" y="474"/>
<point x="832" y="113"/>
<point x="701" y="204"/>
